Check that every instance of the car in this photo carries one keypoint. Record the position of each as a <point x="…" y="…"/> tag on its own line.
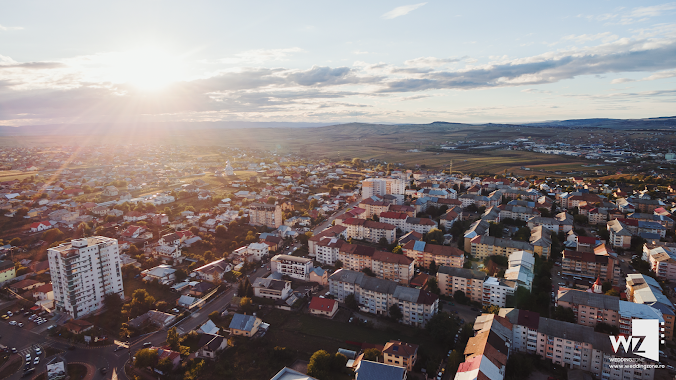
<point x="175" y="310"/>
<point x="456" y="312"/>
<point x="14" y="350"/>
<point x="147" y="344"/>
<point x="32" y="317"/>
<point x="5" y="317"/>
<point x="103" y="370"/>
<point x="20" y="324"/>
<point x="28" y="357"/>
<point x="10" y="313"/>
<point x="38" y="351"/>
<point x="622" y="260"/>
<point x="36" y="361"/>
<point x="12" y="323"/>
<point x="351" y="319"/>
<point x="26" y="313"/>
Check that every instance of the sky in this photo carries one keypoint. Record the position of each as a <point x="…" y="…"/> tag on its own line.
<point x="335" y="62"/>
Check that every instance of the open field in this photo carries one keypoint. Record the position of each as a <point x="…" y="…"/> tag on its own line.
<point x="10" y="175"/>
<point x="388" y="143"/>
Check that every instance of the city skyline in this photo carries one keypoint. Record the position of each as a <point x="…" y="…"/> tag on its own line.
<point x="306" y="62"/>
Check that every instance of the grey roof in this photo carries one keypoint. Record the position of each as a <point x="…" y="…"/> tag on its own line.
<point x="600" y="301"/>
<point x="507" y="243"/>
<point x="462" y="272"/>
<point x="406" y="294"/>
<point x="289" y="374"/>
<point x="369" y="370"/>
<point x="349" y="276"/>
<point x="578" y="333"/>
<point x="242" y="322"/>
<point x="378" y="285"/>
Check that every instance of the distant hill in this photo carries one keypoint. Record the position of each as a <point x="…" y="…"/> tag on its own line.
<point x="649" y="123"/>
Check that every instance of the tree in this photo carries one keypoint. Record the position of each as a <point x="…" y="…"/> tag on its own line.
<point x="246" y="304"/>
<point x="351" y="302"/>
<point x="15" y="242"/>
<point x="356" y="162"/>
<point x="565" y="314"/>
<point x="52" y="235"/>
<point x="372" y="354"/>
<point x="398" y="250"/>
<point x="368" y="272"/>
<point x="146" y="358"/>
<point x="435" y="236"/>
<point x="113" y="303"/>
<point x="140" y="303"/>
<point x="493" y="309"/>
<point x="454" y="360"/>
<point x="221" y="231"/>
<point x="433" y="268"/>
<point x="133" y="251"/>
<point x="460" y="297"/>
<point x="320" y="365"/>
<point x="272" y="200"/>
<point x="519" y="366"/>
<point x="395" y="312"/>
<point x="612" y="292"/>
<point x="215" y="316"/>
<point x="173" y="339"/>
<point x="383" y="242"/>
<point x="165" y="365"/>
<point x="181" y="275"/>
<point x="337" y="264"/>
<point x="606" y="286"/>
<point x="433" y="285"/>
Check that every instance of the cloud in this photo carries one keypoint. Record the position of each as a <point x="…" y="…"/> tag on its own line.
<point x="32" y="65"/>
<point x="632" y="16"/>
<point x="261" y="55"/>
<point x="584" y="38"/>
<point x="621" y="80"/>
<point x="401" y="11"/>
<point x="360" y="52"/>
<point x="431" y="61"/>
<point x="8" y="28"/>
<point x="661" y="75"/>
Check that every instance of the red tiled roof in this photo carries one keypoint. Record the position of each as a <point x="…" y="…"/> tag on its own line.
<point x="323" y="304"/>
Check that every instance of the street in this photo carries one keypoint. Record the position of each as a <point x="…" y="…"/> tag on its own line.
<point x="328" y="222"/>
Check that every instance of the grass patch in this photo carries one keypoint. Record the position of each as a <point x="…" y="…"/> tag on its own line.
<point x="77" y="371"/>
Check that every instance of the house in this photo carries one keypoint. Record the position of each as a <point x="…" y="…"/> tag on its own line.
<point x="44" y="292"/>
<point x="133" y="232"/>
<point x="78" y="326"/>
<point x="186" y="301"/>
<point x="134" y="216"/>
<point x="41" y="226"/>
<point x="154" y="317"/>
<point x="271" y="288"/>
<point x="213" y="271"/>
<point x="24" y="285"/>
<point x="110" y="191"/>
<point x="368" y="370"/>
<point x="400" y="354"/>
<point x="209" y="345"/>
<point x="244" y="325"/>
<point x="164" y="274"/>
<point x="200" y="289"/>
<point x="7" y="271"/>
<point x="323" y="306"/>
<point x="296" y="267"/>
<point x="204" y="195"/>
<point x="173" y="356"/>
<point x="319" y="276"/>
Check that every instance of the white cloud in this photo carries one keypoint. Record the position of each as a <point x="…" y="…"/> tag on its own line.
<point x="583" y="38"/>
<point x="661" y="75"/>
<point x="7" y="28"/>
<point x="431" y="61"/>
<point x="401" y="11"/>
<point x="621" y="80"/>
<point x="360" y="52"/>
<point x="262" y="55"/>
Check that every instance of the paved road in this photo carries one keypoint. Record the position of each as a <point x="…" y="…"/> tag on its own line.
<point x="328" y="222"/>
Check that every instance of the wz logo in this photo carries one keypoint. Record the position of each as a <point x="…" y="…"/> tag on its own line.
<point x="644" y="340"/>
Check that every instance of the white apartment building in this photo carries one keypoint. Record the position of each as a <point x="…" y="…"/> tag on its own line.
<point x="83" y="272"/>
<point x="470" y="282"/>
<point x="382" y="186"/>
<point x="263" y="214"/>
<point x="496" y="291"/>
<point x="662" y="261"/>
<point x="258" y="250"/>
<point x="292" y="266"/>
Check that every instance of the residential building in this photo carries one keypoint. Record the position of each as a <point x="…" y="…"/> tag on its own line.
<point x="600" y="263"/>
<point x="372" y="206"/>
<point x="486" y="353"/>
<point x="620" y="236"/>
<point x="485" y="246"/>
<point x="478" y="228"/>
<point x="287" y="373"/>
<point x="212" y="271"/>
<point x="263" y="214"/>
<point x="561" y="222"/>
<point x="643" y="289"/>
<point x="292" y="266"/>
<point x="83" y="271"/>
<point x="385" y="265"/>
<point x="469" y="281"/>
<point x="209" y="345"/>
<point x="400" y="354"/>
<point x="381" y="186"/>
<point x="271" y="288"/>
<point x="419" y="225"/>
<point x="397" y="219"/>
<point x="258" y="250"/>
<point x="516" y="212"/>
<point x="369" y="230"/>
<point x="164" y="274"/>
<point x="496" y="290"/>
<point x="541" y="240"/>
<point x="7" y="271"/>
<point x="325" y="245"/>
<point x="376" y="296"/>
<point x="662" y="261"/>
<point x="244" y="325"/>
<point x="323" y="306"/>
<point x="368" y="370"/>
<point x="424" y="254"/>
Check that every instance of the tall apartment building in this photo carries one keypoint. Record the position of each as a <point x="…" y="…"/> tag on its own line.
<point x="485" y="246"/>
<point x="373" y="206"/>
<point x="369" y="230"/>
<point x="496" y="291"/>
<point x="620" y="236"/>
<point x="292" y="266"/>
<point x="325" y="245"/>
<point x="382" y="186"/>
<point x="541" y="240"/>
<point x="424" y="254"/>
<point x="662" y="260"/>
<point x="470" y="282"/>
<point x="264" y="214"/>
<point x="643" y="289"/>
<point x="598" y="264"/>
<point x="83" y="272"/>
<point x="376" y="296"/>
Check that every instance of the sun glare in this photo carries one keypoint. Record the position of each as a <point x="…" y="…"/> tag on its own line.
<point x="148" y="69"/>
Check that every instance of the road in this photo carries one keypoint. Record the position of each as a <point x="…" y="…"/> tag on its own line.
<point x="328" y="222"/>
<point x="24" y="339"/>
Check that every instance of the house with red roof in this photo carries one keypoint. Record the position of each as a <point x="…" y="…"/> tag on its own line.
<point x="133" y="232"/>
<point x="41" y="226"/>
<point x="323" y="306"/>
<point x="78" y="326"/>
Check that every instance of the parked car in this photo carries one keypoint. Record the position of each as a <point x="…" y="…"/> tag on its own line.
<point x="36" y="361"/>
<point x="20" y="324"/>
<point x="12" y="323"/>
<point x="147" y="344"/>
<point x="38" y="351"/>
<point x="10" y="313"/>
<point x="28" y="357"/>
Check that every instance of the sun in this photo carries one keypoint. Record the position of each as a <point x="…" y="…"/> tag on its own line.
<point x="148" y="69"/>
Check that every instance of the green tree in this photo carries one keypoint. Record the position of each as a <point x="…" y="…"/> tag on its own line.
<point x="221" y="231"/>
<point x="612" y="292"/>
<point x="215" y="316"/>
<point x="435" y="236"/>
<point x="372" y="354"/>
<point x="606" y="286"/>
<point x="433" y="268"/>
<point x="519" y="366"/>
<point x="395" y="312"/>
<point x="246" y="304"/>
<point x="141" y="302"/>
<point x="173" y="339"/>
<point x="351" y="302"/>
<point x="441" y="328"/>
<point x="337" y="264"/>
<point x="146" y="358"/>
<point x="320" y="365"/>
<point x="433" y="285"/>
<point x="165" y="365"/>
<point x="398" y="250"/>
<point x="493" y="309"/>
<point x="460" y="297"/>
<point x="15" y="242"/>
<point x="368" y="272"/>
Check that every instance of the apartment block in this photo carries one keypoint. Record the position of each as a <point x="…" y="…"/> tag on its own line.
<point x="496" y="290"/>
<point x="83" y="272"/>
<point x="469" y="281"/>
<point x="620" y="236"/>
<point x="263" y="214"/>
<point x="385" y="265"/>
<point x="600" y="263"/>
<point x="369" y="230"/>
<point x="292" y="266"/>
<point x="424" y="254"/>
<point x="662" y="261"/>
<point x="485" y="246"/>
